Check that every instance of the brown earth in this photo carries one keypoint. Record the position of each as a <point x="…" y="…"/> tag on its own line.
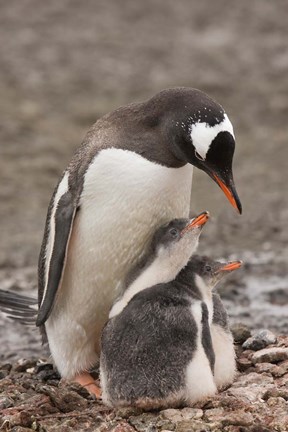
<point x="33" y="398"/>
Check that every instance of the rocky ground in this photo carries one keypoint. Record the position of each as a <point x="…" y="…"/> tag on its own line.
<point x="33" y="398"/>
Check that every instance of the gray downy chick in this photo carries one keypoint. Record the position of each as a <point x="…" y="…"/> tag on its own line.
<point x="211" y="273"/>
<point x="156" y="348"/>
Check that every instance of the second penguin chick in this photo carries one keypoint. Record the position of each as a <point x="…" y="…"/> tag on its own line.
<point x="156" y="348"/>
<point x="222" y="340"/>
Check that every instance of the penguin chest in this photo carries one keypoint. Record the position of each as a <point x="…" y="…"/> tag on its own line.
<point x="125" y="198"/>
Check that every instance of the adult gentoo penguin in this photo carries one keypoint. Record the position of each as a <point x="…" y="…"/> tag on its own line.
<point x="132" y="173"/>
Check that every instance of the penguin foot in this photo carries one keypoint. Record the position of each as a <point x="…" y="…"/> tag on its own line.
<point x="87" y="381"/>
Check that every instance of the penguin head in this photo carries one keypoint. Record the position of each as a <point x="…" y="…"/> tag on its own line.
<point x="199" y="132"/>
<point x="174" y="243"/>
<point x="212" y="271"/>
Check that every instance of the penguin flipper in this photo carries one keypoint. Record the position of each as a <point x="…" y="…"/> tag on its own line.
<point x="63" y="219"/>
<point x="18" y="307"/>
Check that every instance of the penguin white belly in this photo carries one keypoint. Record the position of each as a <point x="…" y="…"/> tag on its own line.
<point x="199" y="378"/>
<point x="225" y="363"/>
<point x="125" y="198"/>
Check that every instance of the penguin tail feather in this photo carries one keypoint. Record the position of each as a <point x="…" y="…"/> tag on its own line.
<point x="18" y="307"/>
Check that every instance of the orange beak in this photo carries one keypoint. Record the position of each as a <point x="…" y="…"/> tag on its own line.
<point x="231" y="266"/>
<point x="197" y="222"/>
<point x="229" y="194"/>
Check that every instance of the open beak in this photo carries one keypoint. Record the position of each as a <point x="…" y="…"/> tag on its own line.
<point x="199" y="221"/>
<point x="231" y="266"/>
<point x="229" y="191"/>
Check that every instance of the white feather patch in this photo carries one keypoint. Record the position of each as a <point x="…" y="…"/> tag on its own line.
<point x="202" y="134"/>
<point x="199" y="378"/>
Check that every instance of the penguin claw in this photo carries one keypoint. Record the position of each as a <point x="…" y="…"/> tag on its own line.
<point x="87" y="381"/>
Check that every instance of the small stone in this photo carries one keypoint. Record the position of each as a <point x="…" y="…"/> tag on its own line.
<point x="251" y="387"/>
<point x="243" y="364"/>
<point x="165" y="424"/>
<point x="123" y="427"/>
<point x="275" y="393"/>
<point x="19" y="419"/>
<point x="23" y="364"/>
<point x="6" y="402"/>
<point x="238" y="418"/>
<point x="283" y="381"/>
<point x="191" y="413"/>
<point x="278" y="296"/>
<point x="4" y="373"/>
<point x="240" y="332"/>
<point x="263" y="367"/>
<point x="65" y="401"/>
<point x="172" y="414"/>
<point x="214" y="414"/>
<point x="271" y="355"/>
<point x="142" y="422"/>
<point x="43" y="366"/>
<point x="260" y="340"/>
<point x="280" y="370"/>
<point x="253" y="378"/>
<point x="126" y="412"/>
<point x="6" y="367"/>
<point x="196" y="426"/>
<point x="277" y="402"/>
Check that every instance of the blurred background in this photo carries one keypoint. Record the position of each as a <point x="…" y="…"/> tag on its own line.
<point x="64" y="64"/>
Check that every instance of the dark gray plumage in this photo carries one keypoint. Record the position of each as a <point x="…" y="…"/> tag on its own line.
<point x="171" y="344"/>
<point x="147" y="349"/>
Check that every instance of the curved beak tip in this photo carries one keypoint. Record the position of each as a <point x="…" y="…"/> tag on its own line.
<point x="230" y="193"/>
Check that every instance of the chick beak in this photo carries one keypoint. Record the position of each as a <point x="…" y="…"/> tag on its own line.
<point x="229" y="191"/>
<point x="231" y="266"/>
<point x="197" y="222"/>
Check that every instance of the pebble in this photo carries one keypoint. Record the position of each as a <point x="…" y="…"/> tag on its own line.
<point x="65" y="400"/>
<point x="23" y="364"/>
<point x="240" y="332"/>
<point x="176" y="415"/>
<point x="270" y="355"/>
<point x="280" y="370"/>
<point x="263" y="367"/>
<point x="275" y="393"/>
<point x="143" y="422"/>
<point x="260" y="340"/>
<point x="278" y="296"/>
<point x="243" y="364"/>
<point x="250" y="388"/>
<point x="238" y="418"/>
<point x="172" y="414"/>
<point x="6" y="402"/>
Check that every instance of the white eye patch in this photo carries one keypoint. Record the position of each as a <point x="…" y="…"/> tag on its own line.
<point x="202" y="134"/>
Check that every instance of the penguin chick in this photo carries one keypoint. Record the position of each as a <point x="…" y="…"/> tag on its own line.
<point x="156" y="349"/>
<point x="225" y="363"/>
<point x="171" y="247"/>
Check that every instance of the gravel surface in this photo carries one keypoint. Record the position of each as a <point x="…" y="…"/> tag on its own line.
<point x="33" y="398"/>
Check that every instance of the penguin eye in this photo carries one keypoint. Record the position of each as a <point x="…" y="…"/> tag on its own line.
<point x="173" y="232"/>
<point x="208" y="268"/>
<point x="198" y="156"/>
